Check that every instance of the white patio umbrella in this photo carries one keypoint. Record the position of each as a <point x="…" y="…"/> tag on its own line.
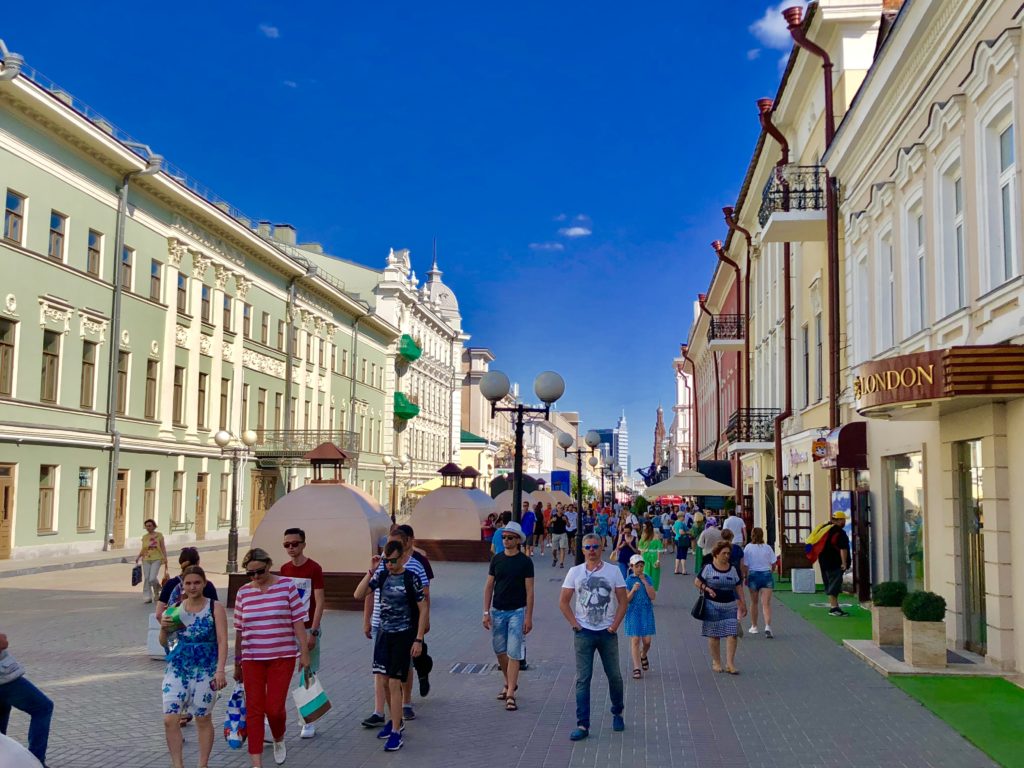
<point x="689" y="482"/>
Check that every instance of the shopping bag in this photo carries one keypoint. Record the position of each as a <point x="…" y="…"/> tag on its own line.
<point x="310" y="699"/>
<point x="234" y="724"/>
<point x="136" y="575"/>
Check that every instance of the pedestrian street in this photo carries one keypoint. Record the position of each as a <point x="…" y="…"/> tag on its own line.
<point x="800" y="700"/>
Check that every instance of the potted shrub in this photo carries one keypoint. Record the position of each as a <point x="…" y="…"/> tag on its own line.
<point x="924" y="629"/>
<point x="887" y="612"/>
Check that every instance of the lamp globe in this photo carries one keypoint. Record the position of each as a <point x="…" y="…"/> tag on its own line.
<point x="564" y="441"/>
<point x="222" y="438"/>
<point x="494" y="386"/>
<point x="592" y="439"/>
<point x="549" y="386"/>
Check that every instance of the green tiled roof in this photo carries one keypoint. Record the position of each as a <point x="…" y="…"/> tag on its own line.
<point x="469" y="437"/>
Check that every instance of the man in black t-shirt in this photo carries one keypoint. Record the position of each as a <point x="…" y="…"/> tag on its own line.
<point x="510" y="618"/>
<point x="559" y="537"/>
<point x="834" y="559"/>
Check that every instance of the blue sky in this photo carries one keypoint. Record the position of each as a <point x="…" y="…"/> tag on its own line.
<point x="571" y="158"/>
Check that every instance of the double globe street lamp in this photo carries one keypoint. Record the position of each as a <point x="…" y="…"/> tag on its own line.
<point x="495" y="386"/>
<point x="565" y="441"/>
<point x="395" y="464"/>
<point x="239" y="452"/>
<point x="608" y="469"/>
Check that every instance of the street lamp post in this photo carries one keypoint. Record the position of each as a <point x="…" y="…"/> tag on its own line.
<point x="239" y="455"/>
<point x="494" y="386"/>
<point x="395" y="464"/>
<point x="565" y="441"/>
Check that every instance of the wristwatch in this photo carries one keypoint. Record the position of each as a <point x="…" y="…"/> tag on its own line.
<point x="315" y="632"/>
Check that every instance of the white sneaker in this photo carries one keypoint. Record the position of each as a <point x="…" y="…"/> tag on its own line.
<point x="753" y="630"/>
<point x="308" y="731"/>
<point x="280" y="752"/>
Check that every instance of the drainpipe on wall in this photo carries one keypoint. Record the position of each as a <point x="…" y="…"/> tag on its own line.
<point x="794" y="17"/>
<point x="741" y="363"/>
<point x="354" y="473"/>
<point x="695" y="418"/>
<point x="718" y="383"/>
<point x="153" y="164"/>
<point x="765" y="115"/>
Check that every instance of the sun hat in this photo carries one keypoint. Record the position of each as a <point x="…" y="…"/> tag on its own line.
<point x="636" y="559"/>
<point x="513" y="527"/>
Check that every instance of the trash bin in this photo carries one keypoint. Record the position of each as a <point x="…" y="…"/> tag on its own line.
<point x="803" y="580"/>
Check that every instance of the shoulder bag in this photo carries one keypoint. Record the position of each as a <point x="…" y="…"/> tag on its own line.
<point x="699" y="609"/>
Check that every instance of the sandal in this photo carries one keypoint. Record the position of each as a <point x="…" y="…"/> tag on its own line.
<point x="510" y="704"/>
<point x="645" y="663"/>
<point x="716" y="667"/>
<point x="637" y="674"/>
<point x="732" y="670"/>
<point x="503" y="696"/>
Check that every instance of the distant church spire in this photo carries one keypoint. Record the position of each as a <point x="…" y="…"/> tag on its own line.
<point x="434" y="275"/>
<point x="659" y="435"/>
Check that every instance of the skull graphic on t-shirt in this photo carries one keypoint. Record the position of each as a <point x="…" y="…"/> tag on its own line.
<point x="595" y="598"/>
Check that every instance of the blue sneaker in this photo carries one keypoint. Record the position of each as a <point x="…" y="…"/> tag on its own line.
<point x="387" y="731"/>
<point x="395" y="743"/>
<point x="579" y="734"/>
<point x="618" y="724"/>
<point x="408" y="713"/>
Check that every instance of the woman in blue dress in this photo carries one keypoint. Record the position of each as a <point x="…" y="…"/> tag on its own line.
<point x="195" y="665"/>
<point x="639" y="614"/>
<point x="602" y="524"/>
<point x="724" y="606"/>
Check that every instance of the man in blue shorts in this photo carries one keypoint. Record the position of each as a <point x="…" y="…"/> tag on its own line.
<point x="508" y="608"/>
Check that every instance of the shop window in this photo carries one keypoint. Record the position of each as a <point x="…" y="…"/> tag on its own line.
<point x="905" y="477"/>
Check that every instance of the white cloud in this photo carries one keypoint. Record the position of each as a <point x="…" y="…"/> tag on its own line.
<point x="753" y="53"/>
<point x="560" y="217"/>
<point x="270" y="31"/>
<point x="771" y="29"/>
<point x="574" y="231"/>
<point x="289" y="84"/>
<point x="547" y="247"/>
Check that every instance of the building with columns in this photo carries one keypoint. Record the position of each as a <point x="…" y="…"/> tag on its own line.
<point x="680" y="444"/>
<point x="222" y="326"/>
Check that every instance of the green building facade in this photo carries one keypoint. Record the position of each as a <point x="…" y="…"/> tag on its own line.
<point x="209" y="301"/>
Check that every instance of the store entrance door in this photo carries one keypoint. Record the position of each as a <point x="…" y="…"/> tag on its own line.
<point x="970" y="474"/>
<point x="6" y="510"/>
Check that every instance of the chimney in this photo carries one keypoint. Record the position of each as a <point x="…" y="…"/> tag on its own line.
<point x="263" y="228"/>
<point x="285" y="233"/>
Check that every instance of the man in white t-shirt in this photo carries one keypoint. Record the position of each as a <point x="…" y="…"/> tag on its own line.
<point x="735" y="524"/>
<point x="595" y="615"/>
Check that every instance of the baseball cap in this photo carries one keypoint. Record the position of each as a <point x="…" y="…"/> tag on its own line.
<point x="636" y="559"/>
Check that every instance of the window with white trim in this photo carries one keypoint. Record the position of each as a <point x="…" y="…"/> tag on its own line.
<point x="1007" y="202"/>
<point x="1000" y="197"/>
<point x="918" y="293"/>
<point x="886" y="293"/>
<point x="862" y="313"/>
<point x="954" y="271"/>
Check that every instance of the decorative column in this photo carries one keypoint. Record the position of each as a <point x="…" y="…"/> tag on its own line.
<point x="200" y="263"/>
<point x="175" y="336"/>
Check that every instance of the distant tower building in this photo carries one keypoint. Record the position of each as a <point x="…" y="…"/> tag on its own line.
<point x="659" y="438"/>
<point x="622" y="446"/>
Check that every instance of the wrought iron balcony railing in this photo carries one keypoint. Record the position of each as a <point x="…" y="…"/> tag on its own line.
<point x="752" y="425"/>
<point x="277" y="443"/>
<point x="726" y="327"/>
<point x="793" y="188"/>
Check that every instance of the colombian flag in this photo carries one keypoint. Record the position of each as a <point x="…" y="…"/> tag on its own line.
<point x="816" y="541"/>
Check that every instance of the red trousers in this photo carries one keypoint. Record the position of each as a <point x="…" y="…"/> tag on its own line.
<point x="266" y="691"/>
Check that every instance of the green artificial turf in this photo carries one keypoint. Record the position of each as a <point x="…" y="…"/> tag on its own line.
<point x="987" y="711"/>
<point x="856" y="626"/>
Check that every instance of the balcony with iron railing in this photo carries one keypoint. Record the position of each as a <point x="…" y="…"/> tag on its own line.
<point x="793" y="205"/>
<point x="726" y="332"/>
<point x="295" y="443"/>
<point x="751" y="428"/>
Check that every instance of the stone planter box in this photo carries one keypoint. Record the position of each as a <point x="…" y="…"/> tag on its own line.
<point x="887" y="625"/>
<point x="924" y="643"/>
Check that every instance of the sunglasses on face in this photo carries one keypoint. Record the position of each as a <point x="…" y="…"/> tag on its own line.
<point x="511" y="537"/>
<point x="392" y="560"/>
<point x="591" y="547"/>
<point x="293" y="544"/>
<point x="256" y="573"/>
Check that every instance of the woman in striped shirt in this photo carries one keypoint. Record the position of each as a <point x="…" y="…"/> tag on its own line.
<point x="270" y="631"/>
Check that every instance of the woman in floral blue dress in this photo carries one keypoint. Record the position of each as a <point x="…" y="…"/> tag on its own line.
<point x="639" y="614"/>
<point x="195" y="664"/>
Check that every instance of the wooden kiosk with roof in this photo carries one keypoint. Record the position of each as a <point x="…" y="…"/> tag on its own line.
<point x="448" y="521"/>
<point x="344" y="527"/>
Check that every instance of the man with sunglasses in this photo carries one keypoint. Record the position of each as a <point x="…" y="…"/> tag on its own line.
<point x="599" y="608"/>
<point x="371" y="627"/>
<point x="510" y="617"/>
<point x="309" y="580"/>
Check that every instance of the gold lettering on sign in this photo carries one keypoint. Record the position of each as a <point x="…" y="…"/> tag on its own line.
<point x="893" y="379"/>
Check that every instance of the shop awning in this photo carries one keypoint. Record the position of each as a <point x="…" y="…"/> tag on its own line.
<point x="408" y="348"/>
<point x="847" y="447"/>
<point x="405" y="408"/>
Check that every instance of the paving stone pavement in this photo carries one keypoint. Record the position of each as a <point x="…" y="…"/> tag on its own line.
<point x="800" y="700"/>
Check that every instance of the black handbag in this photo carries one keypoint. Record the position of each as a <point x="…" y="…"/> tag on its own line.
<point x="700" y="607"/>
<point x="136" y="575"/>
